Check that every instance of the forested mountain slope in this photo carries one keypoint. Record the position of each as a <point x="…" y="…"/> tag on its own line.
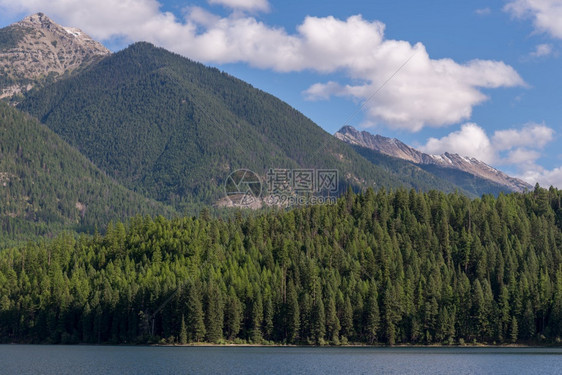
<point x="399" y="267"/>
<point x="174" y="130"/>
<point x="46" y="185"/>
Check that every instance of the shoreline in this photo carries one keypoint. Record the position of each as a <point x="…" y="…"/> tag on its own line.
<point x="248" y="345"/>
<point x="437" y="346"/>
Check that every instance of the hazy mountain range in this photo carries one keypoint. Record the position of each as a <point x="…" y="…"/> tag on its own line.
<point x="396" y="148"/>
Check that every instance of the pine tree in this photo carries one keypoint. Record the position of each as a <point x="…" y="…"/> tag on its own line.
<point x="504" y="314"/>
<point x="372" y="315"/>
<point x="347" y="319"/>
<point x="268" y="315"/>
<point x="318" y="321"/>
<point x="514" y="330"/>
<point x="214" y="317"/>
<point x="332" y="321"/>
<point x="183" y="331"/>
<point x="390" y="305"/>
<point x="529" y="327"/>
<point x="196" y="317"/>
<point x="293" y="314"/>
<point x="233" y="315"/>
<point x="256" y="319"/>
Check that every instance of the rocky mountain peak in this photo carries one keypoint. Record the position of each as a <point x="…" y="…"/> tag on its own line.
<point x="37" y="49"/>
<point x="37" y="20"/>
<point x="396" y="148"/>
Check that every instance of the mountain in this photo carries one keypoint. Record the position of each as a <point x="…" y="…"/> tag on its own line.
<point x="174" y="130"/>
<point x="47" y="186"/>
<point x="432" y="177"/>
<point x="37" y="50"/>
<point x="440" y="165"/>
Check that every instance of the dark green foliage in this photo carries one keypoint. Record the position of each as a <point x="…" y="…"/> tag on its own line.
<point x="214" y="314"/>
<point x="46" y="185"/>
<point x="195" y="313"/>
<point x="182" y="338"/>
<point x="233" y="315"/>
<point x="174" y="130"/>
<point x="291" y="324"/>
<point x="399" y="267"/>
<point x="372" y="316"/>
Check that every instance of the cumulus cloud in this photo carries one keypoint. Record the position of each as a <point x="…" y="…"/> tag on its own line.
<point x="425" y="92"/>
<point x="520" y="145"/>
<point x="544" y="177"/>
<point x="532" y="135"/>
<point x="252" y="5"/>
<point x="545" y="14"/>
<point x="471" y="141"/>
<point x="518" y="148"/>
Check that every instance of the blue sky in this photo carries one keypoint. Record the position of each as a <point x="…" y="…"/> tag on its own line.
<point x="480" y="78"/>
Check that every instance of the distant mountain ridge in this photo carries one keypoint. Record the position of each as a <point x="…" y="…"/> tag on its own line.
<point x="36" y="50"/>
<point x="396" y="148"/>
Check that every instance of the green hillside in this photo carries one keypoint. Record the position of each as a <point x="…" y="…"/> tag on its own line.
<point x="47" y="186"/>
<point x="173" y="129"/>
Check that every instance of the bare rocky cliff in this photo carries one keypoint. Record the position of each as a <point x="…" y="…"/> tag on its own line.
<point x="36" y="50"/>
<point x="394" y="147"/>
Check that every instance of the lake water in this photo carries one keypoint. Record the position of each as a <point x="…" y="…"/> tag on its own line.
<point x="122" y="360"/>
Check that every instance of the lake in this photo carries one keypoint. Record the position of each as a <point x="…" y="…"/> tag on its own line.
<point x="121" y="360"/>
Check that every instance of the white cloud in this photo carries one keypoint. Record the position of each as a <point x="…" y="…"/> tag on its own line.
<point x="426" y="92"/>
<point x="517" y="148"/>
<point x="483" y="11"/>
<point x="522" y="157"/>
<point x="252" y="5"/>
<point x="471" y="141"/>
<point x="323" y="91"/>
<point x="542" y="50"/>
<point x="519" y="145"/>
<point x="544" y="177"/>
<point x="532" y="135"/>
<point x="546" y="14"/>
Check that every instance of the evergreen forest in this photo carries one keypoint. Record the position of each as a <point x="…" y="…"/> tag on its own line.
<point x="378" y="267"/>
